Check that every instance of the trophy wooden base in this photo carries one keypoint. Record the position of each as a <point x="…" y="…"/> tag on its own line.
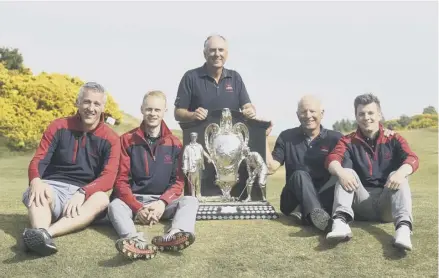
<point x="236" y="211"/>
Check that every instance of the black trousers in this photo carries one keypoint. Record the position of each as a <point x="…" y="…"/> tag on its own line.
<point x="300" y="190"/>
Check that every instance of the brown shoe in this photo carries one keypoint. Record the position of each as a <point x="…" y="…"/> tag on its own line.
<point x="175" y="242"/>
<point x="136" y="248"/>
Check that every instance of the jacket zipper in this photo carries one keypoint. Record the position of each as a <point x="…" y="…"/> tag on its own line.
<point x="146" y="163"/>
<point x="151" y="153"/>
<point x="368" y="157"/>
<point x="75" y="150"/>
<point x="370" y="164"/>
<point x="83" y="140"/>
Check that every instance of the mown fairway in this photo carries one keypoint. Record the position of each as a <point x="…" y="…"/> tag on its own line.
<point x="265" y="248"/>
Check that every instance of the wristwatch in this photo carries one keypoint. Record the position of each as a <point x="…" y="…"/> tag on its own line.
<point x="80" y="190"/>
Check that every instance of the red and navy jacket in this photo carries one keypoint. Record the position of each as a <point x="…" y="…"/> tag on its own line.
<point x="373" y="166"/>
<point x="147" y="170"/>
<point x="67" y="154"/>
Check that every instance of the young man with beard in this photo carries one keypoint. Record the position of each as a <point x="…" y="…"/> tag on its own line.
<point x="75" y="164"/>
<point x="309" y="187"/>
<point x="373" y="175"/>
<point x="149" y="186"/>
<point x="212" y="86"/>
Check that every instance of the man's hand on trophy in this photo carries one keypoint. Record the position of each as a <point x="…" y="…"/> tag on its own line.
<point x="268" y="131"/>
<point x="249" y="111"/>
<point x="199" y="114"/>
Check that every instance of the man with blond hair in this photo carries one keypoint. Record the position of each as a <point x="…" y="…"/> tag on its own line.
<point x="149" y="186"/>
<point x="212" y="86"/>
<point x="75" y="164"/>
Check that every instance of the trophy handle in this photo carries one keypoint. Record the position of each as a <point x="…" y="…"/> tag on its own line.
<point x="210" y="131"/>
<point x="243" y="132"/>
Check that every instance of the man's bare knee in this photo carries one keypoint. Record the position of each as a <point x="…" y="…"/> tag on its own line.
<point x="99" y="201"/>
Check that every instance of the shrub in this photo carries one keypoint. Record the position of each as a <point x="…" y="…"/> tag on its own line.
<point x="28" y="103"/>
<point x="423" y="121"/>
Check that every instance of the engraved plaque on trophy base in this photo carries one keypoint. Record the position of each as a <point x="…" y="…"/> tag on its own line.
<point x="236" y="211"/>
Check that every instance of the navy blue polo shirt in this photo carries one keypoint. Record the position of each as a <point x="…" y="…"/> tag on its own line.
<point x="198" y="89"/>
<point x="296" y="151"/>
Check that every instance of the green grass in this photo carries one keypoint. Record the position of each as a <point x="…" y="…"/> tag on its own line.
<point x="264" y="248"/>
<point x="128" y="122"/>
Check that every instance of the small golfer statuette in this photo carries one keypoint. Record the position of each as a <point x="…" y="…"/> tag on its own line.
<point x="193" y="164"/>
<point x="256" y="168"/>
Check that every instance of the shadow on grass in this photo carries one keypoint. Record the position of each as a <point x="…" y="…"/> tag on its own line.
<point x="325" y="244"/>
<point x="288" y="220"/>
<point x="104" y="227"/>
<point x="116" y="261"/>
<point x="13" y="225"/>
<point x="307" y="230"/>
<point x="386" y="239"/>
<point x="311" y="231"/>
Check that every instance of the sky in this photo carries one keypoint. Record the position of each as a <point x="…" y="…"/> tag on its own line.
<point x="282" y="50"/>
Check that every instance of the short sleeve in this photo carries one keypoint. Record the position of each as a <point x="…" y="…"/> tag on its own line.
<point x="184" y="93"/>
<point x="279" y="150"/>
<point x="243" y="95"/>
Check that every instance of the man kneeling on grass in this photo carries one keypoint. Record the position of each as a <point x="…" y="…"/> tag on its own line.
<point x="376" y="186"/>
<point x="75" y="164"/>
<point x="149" y="186"/>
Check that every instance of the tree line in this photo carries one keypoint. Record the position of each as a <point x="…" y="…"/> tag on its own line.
<point x="428" y="119"/>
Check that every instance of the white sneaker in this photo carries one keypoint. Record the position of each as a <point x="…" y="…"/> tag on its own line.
<point x="340" y="231"/>
<point x="402" y="238"/>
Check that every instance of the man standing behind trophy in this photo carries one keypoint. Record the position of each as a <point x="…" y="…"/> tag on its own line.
<point x="211" y="86"/>
<point x="149" y="186"/>
<point x="193" y="164"/>
<point x="303" y="150"/>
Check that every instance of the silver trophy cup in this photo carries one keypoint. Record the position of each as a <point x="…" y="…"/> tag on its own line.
<point x="227" y="147"/>
<point x="225" y="144"/>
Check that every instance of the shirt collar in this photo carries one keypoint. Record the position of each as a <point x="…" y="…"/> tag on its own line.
<point x="164" y="131"/>
<point x="322" y="134"/>
<point x="203" y="72"/>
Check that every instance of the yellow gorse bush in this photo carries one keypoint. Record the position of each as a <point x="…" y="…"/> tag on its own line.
<point x="423" y="121"/>
<point x="28" y="103"/>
